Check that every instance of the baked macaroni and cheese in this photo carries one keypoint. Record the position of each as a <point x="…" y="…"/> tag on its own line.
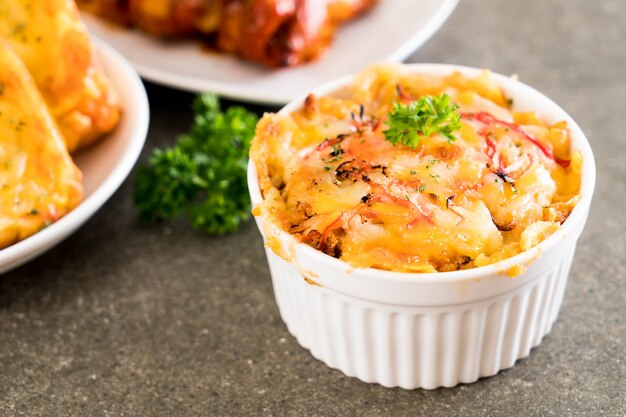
<point x="416" y="173"/>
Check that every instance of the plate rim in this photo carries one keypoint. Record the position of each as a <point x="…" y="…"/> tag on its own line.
<point x="38" y="243"/>
<point x="234" y="92"/>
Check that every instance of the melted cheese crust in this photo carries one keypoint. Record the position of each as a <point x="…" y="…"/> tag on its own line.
<point x="39" y="183"/>
<point x="54" y="44"/>
<point x="329" y="177"/>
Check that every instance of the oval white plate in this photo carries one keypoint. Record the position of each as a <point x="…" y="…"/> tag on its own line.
<point x="104" y="165"/>
<point x="390" y="31"/>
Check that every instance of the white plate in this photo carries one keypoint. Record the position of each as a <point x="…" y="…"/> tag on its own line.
<point x="104" y="165"/>
<point x="390" y="31"/>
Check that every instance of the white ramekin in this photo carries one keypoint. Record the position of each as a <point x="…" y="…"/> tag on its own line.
<point x="428" y="330"/>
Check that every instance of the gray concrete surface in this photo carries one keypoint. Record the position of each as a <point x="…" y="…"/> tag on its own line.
<point x="129" y="320"/>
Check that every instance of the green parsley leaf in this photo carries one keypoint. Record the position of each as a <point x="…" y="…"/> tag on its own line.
<point x="203" y="176"/>
<point x="430" y="115"/>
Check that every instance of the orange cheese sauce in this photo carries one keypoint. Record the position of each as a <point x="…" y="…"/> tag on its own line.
<point x="329" y="177"/>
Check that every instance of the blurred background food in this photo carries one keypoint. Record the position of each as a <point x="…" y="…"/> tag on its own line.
<point x="270" y="32"/>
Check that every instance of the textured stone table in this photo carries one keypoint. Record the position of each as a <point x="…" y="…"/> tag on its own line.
<point x="129" y="320"/>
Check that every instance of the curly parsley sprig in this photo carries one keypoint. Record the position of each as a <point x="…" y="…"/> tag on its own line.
<point x="427" y="116"/>
<point x="204" y="174"/>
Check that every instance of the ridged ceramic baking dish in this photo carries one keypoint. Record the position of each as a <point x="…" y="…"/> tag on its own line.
<point x="428" y="330"/>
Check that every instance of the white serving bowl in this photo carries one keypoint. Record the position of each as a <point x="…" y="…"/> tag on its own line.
<point x="429" y="330"/>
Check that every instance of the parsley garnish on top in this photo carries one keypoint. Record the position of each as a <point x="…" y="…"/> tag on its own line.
<point x="204" y="174"/>
<point x="427" y="116"/>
